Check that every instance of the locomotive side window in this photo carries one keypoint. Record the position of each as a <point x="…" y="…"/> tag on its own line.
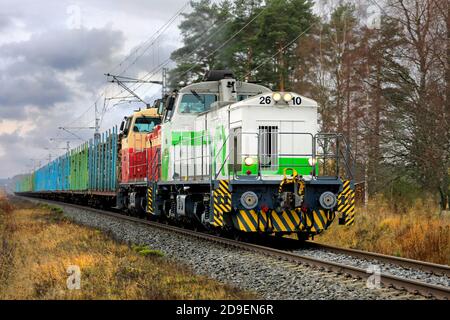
<point x="126" y="130"/>
<point x="145" y="124"/>
<point x="196" y="103"/>
<point x="237" y="149"/>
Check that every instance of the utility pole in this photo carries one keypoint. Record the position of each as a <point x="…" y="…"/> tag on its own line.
<point x="67" y="148"/>
<point x="97" y="125"/>
<point x="36" y="164"/>
<point x="122" y="81"/>
<point x="164" y="81"/>
<point x="68" y="130"/>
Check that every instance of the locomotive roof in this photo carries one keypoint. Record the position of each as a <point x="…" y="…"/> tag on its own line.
<point x="150" y="112"/>
<point x="213" y="87"/>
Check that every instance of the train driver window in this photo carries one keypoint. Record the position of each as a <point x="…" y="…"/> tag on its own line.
<point x="196" y="102"/>
<point x="145" y="124"/>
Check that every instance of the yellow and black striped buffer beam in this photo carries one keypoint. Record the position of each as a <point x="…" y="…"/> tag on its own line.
<point x="221" y="202"/>
<point x="346" y="203"/>
<point x="150" y="209"/>
<point x="286" y="221"/>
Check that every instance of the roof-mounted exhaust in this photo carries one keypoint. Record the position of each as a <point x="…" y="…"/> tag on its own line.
<point x="217" y="75"/>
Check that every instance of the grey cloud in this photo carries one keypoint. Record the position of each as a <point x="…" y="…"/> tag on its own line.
<point x="41" y="90"/>
<point x="154" y="9"/>
<point x="37" y="77"/>
<point x="66" y="49"/>
<point x="5" y="21"/>
<point x="34" y="83"/>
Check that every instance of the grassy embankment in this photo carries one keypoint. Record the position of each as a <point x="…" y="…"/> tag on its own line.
<point x="37" y="245"/>
<point x="416" y="231"/>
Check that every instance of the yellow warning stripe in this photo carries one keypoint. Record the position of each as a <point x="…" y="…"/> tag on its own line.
<point x="217" y="209"/>
<point x="346" y="203"/>
<point x="296" y="217"/>
<point x="317" y="220"/>
<point x="259" y="225"/>
<point x="248" y="222"/>
<point x="150" y="200"/>
<point x="288" y="221"/>
<point x="219" y="193"/>
<point x="224" y="191"/>
<point x="221" y="202"/>
<point x="224" y="183"/>
<point x="217" y="221"/>
<point x="252" y="221"/>
<point x="240" y="223"/>
<point x="278" y="220"/>
<point x="309" y="223"/>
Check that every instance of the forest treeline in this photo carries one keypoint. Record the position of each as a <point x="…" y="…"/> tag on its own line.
<point x="380" y="71"/>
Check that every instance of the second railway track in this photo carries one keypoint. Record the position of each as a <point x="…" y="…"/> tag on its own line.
<point x="386" y="280"/>
<point x="437" y="269"/>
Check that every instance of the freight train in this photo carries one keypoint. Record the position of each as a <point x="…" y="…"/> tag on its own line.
<point x="223" y="155"/>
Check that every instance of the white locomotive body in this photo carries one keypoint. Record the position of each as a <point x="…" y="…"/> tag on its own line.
<point x="236" y="155"/>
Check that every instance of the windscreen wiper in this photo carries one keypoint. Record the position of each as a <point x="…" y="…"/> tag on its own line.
<point x="197" y="95"/>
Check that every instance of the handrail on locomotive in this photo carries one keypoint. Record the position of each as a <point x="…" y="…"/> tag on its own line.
<point x="327" y="150"/>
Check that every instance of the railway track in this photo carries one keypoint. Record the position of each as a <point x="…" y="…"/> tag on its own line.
<point x="386" y="280"/>
<point x="437" y="269"/>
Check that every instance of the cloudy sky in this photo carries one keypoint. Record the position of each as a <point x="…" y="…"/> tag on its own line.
<point x="53" y="57"/>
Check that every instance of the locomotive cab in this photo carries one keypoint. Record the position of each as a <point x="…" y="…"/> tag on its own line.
<point x="134" y="153"/>
<point x="134" y="143"/>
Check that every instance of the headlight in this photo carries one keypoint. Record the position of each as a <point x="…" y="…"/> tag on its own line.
<point x="287" y="97"/>
<point x="312" y="162"/>
<point x="249" y="161"/>
<point x="276" y="96"/>
<point x="328" y="200"/>
<point x="249" y="200"/>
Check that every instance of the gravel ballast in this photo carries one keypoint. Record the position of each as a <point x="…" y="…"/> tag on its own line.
<point x="385" y="268"/>
<point x="268" y="277"/>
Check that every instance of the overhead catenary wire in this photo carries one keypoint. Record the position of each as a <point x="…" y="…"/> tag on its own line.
<point x="161" y="32"/>
<point x="151" y="73"/>
<point x="146" y="47"/>
<point x="280" y="50"/>
<point x="151" y="40"/>
<point x="226" y="42"/>
<point x="158" y="68"/>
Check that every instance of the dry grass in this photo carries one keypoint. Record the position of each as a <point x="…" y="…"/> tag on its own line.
<point x="418" y="232"/>
<point x="39" y="245"/>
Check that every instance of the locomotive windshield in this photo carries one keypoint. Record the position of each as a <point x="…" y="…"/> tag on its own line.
<point x="145" y="124"/>
<point x="196" y="102"/>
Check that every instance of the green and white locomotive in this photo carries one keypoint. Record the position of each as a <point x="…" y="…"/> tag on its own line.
<point x="239" y="157"/>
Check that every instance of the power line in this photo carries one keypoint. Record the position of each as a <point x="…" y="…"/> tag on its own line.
<point x="157" y="34"/>
<point x="161" y="66"/>
<point x="161" y="32"/>
<point x="167" y="61"/>
<point x="282" y="49"/>
<point x="228" y="41"/>
<point x="151" y="40"/>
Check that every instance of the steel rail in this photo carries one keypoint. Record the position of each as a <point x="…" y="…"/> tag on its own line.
<point x="386" y="280"/>
<point x="437" y="269"/>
